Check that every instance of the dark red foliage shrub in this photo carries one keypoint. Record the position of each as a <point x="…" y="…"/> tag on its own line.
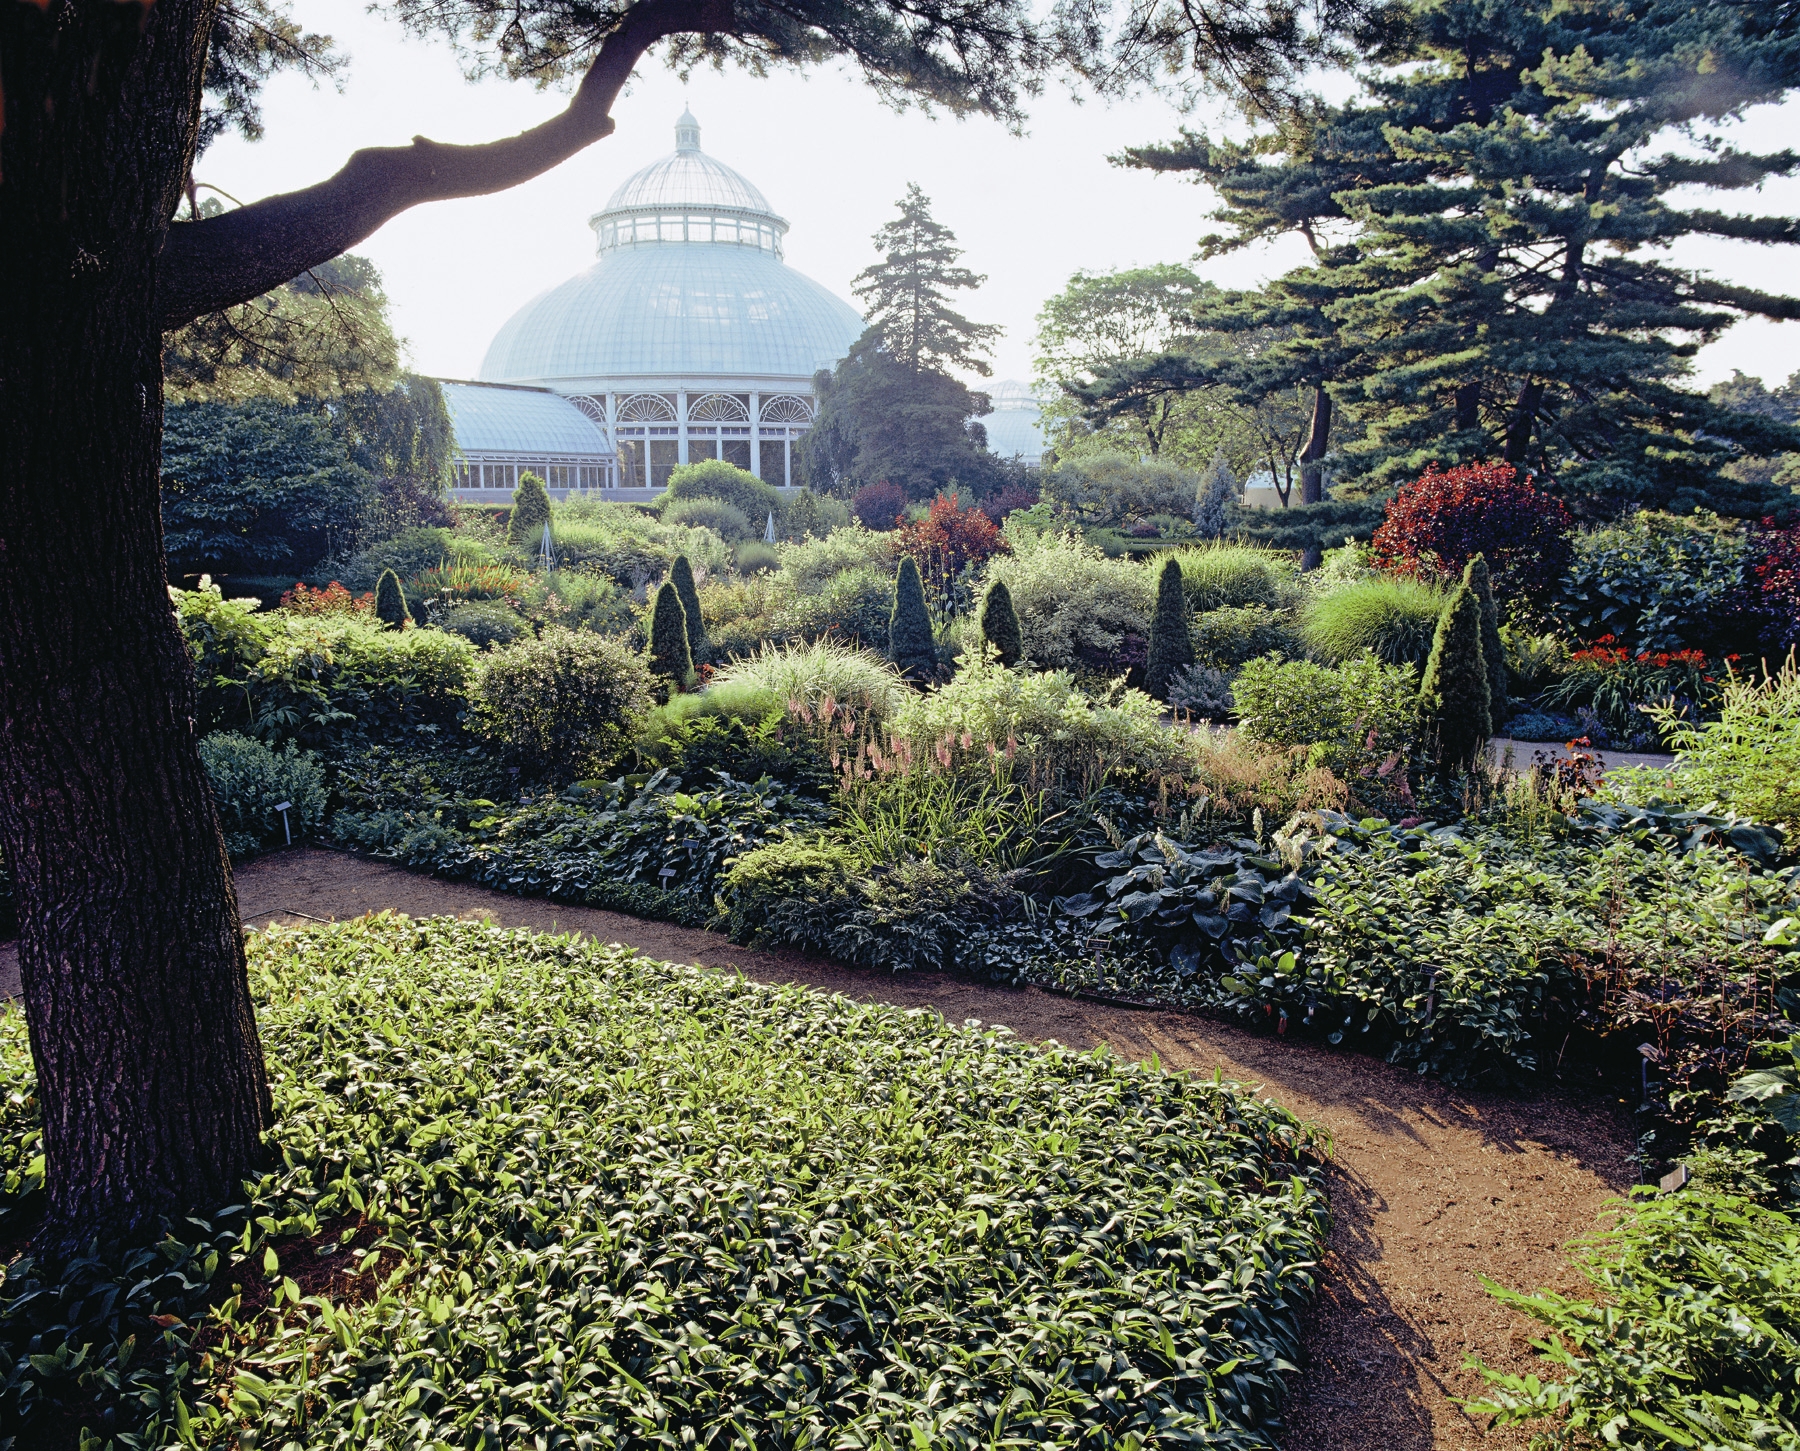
<point x="1435" y="525"/>
<point x="879" y="506"/>
<point x="1775" y="571"/>
<point x="1013" y="496"/>
<point x="334" y="599"/>
<point x="949" y="544"/>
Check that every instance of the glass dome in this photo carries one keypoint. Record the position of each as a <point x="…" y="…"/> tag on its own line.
<point x="688" y="197"/>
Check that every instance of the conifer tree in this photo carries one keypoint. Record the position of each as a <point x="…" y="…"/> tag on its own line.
<point x="670" y="657"/>
<point x="1455" y="693"/>
<point x="1000" y="624"/>
<point x="390" y="601"/>
<point x="906" y="293"/>
<point x="1171" y="636"/>
<point x="681" y="575"/>
<point x="1493" y="649"/>
<point x="910" y="643"/>
<point x="530" y="512"/>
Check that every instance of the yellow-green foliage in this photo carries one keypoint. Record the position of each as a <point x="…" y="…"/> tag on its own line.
<point x="1224" y="576"/>
<point x="1749" y="758"/>
<point x="1392" y="618"/>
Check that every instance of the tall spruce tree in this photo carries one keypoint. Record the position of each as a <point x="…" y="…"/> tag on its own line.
<point x="911" y="645"/>
<point x="907" y="294"/>
<point x="1493" y="649"/>
<point x="1000" y="624"/>
<point x="671" y="658"/>
<point x="1455" y="693"/>
<point x="1171" y="635"/>
<point x="530" y="512"/>
<point x="681" y="575"/>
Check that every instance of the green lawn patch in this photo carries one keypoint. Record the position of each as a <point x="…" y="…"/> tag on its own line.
<point x="533" y="1191"/>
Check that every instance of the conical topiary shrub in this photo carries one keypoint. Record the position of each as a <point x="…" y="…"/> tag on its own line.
<point x="1000" y="624"/>
<point x="1493" y="649"/>
<point x="1171" y="639"/>
<point x="670" y="657"/>
<point x="390" y="601"/>
<point x="530" y="512"/>
<point x="681" y="575"/>
<point x="910" y="643"/>
<point x="1455" y="693"/>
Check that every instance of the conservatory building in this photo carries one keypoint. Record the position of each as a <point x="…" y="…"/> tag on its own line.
<point x="688" y="339"/>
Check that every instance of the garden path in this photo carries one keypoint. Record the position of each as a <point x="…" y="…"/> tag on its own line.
<point x="1430" y="1187"/>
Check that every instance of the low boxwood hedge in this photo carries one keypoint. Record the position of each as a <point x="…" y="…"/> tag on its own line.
<point x="583" y="1198"/>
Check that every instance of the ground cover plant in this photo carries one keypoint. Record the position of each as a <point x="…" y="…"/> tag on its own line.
<point x="534" y="1189"/>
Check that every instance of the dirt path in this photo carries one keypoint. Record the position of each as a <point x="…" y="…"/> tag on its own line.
<point x="1430" y="1188"/>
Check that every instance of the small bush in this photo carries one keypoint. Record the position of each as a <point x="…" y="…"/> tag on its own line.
<point x="1204" y="690"/>
<point x="1359" y="713"/>
<point x="808" y="565"/>
<point x="810" y="515"/>
<point x="460" y="580"/>
<point x="681" y="575"/>
<point x="1228" y="639"/>
<point x="390" y="602"/>
<point x="726" y="520"/>
<point x="1749" y="758"/>
<point x="716" y="479"/>
<point x="1394" y="619"/>
<point x="1109" y="490"/>
<point x="581" y="599"/>
<point x="1231" y="576"/>
<point x="483" y="623"/>
<point x="1076" y="608"/>
<point x="248" y="780"/>
<point x="1000" y="625"/>
<point x="1437" y="524"/>
<point x="755" y="557"/>
<point x="1171" y="643"/>
<point x="811" y="673"/>
<point x="911" y="645"/>
<point x="854" y="608"/>
<point x="563" y="703"/>
<point x="1455" y="692"/>
<point x="1661" y="582"/>
<point x="530" y="513"/>
<point x="879" y="506"/>
<point x="333" y="599"/>
<point x="407" y="553"/>
<point x="671" y="657"/>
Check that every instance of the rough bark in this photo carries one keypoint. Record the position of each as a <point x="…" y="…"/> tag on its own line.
<point x="150" y="1074"/>
<point x="1520" y="424"/>
<point x="1312" y="467"/>
<point x="210" y="264"/>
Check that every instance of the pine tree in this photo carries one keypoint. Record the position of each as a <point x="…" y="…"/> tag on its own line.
<point x="1000" y="624"/>
<point x="910" y="643"/>
<point x="1455" y="693"/>
<point x="1171" y="637"/>
<point x="530" y="512"/>
<point x="670" y="656"/>
<point x="390" y="601"/>
<point x="906" y="294"/>
<point x="1217" y="489"/>
<point x="681" y="575"/>
<point x="1493" y="649"/>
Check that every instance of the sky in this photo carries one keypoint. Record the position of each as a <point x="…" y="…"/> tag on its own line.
<point x="1030" y="210"/>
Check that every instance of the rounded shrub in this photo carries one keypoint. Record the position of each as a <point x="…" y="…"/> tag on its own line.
<point x="483" y="623"/>
<point x="814" y="515"/>
<point x="852" y="607"/>
<point x="249" y="780"/>
<point x="1436" y="524"/>
<point x="809" y="673"/>
<point x="671" y="657"/>
<point x="713" y="478"/>
<point x="1230" y="576"/>
<point x="1393" y="618"/>
<point x="755" y="557"/>
<point x="1226" y="639"/>
<point x="879" y="506"/>
<point x="563" y="703"/>
<point x="726" y="520"/>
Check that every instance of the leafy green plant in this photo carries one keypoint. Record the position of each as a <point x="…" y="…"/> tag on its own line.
<point x="1692" y="1337"/>
<point x="1221" y="576"/>
<point x="1749" y="758"/>
<point x="717" y="479"/>
<point x="484" y="622"/>
<point x="1226" y="639"/>
<point x="249" y="780"/>
<point x="1359" y="715"/>
<point x="726" y="520"/>
<point x="563" y="703"/>
<point x="911" y="643"/>
<point x="1000" y="625"/>
<point x="671" y="656"/>
<point x="810" y="674"/>
<point x="1171" y="642"/>
<point x="390" y="602"/>
<point x="460" y="579"/>
<point x="1455" y="693"/>
<point x="852" y="608"/>
<point x="1076" y="608"/>
<point x="1392" y="617"/>
<point x="1660" y="582"/>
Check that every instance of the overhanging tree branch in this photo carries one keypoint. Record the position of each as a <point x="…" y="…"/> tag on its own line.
<point x="221" y="261"/>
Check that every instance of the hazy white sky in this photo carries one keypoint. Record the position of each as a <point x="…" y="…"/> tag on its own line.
<point x="1030" y="210"/>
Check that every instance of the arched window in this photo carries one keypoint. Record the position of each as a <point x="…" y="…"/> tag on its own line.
<point x="719" y="408"/>
<point x="646" y="408"/>
<point x="593" y="407"/>
<point x="786" y="408"/>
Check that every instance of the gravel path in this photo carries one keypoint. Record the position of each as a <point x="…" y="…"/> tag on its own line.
<point x="1430" y="1187"/>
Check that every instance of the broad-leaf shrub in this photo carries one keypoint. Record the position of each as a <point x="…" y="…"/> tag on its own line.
<point x="1111" y="489"/>
<point x="879" y="506"/>
<point x="726" y="520"/>
<point x="1691" y="1337"/>
<point x="717" y="479"/>
<point x="1435" y="525"/>
<point x="248" y="780"/>
<point x="1391" y="617"/>
<point x="1077" y="608"/>
<point x="563" y="703"/>
<point x="951" y="545"/>
<point x="710" y="1194"/>
<point x="852" y="608"/>
<point x="1661" y="582"/>
<point x="483" y="623"/>
<point x="1619" y="694"/>
<point x="1360" y="715"/>
<point x="1225" y="639"/>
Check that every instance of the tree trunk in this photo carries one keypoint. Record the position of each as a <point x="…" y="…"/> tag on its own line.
<point x="1468" y="407"/>
<point x="1312" y="467"/>
<point x="1524" y="418"/>
<point x="150" y="1074"/>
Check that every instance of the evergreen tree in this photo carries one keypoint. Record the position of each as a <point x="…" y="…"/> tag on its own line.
<point x="1454" y="696"/>
<point x="911" y="645"/>
<point x="1000" y="624"/>
<point x="1171" y="637"/>
<point x="530" y="512"/>
<point x="1493" y="649"/>
<point x="906" y="294"/>
<point x="671" y="658"/>
<point x="1217" y="489"/>
<point x="390" y="601"/>
<point x="681" y="575"/>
